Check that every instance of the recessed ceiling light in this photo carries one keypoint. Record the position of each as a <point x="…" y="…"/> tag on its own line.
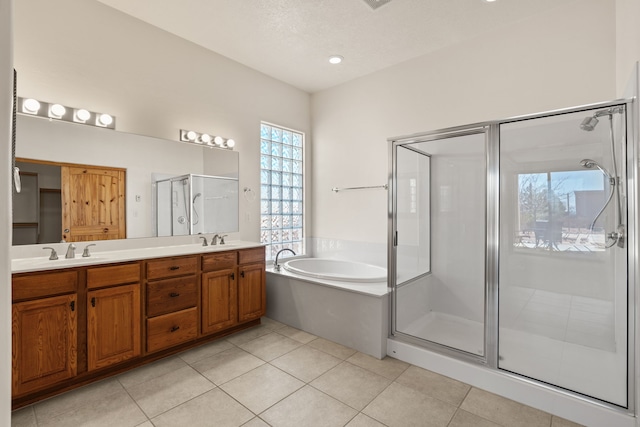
<point x="489" y="1"/>
<point x="335" y="59"/>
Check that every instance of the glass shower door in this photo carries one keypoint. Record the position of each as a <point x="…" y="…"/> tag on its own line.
<point x="439" y="224"/>
<point x="563" y="256"/>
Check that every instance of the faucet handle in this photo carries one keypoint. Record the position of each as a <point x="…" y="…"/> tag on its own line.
<point x="204" y="240"/>
<point x="54" y="254"/>
<point x="86" y="253"/>
<point x="222" y="239"/>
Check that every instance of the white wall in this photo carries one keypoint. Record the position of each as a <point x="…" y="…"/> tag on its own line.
<point x="558" y="59"/>
<point x="85" y="54"/>
<point x="6" y="94"/>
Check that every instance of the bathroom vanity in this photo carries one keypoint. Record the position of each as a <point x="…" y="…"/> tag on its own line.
<point x="77" y="321"/>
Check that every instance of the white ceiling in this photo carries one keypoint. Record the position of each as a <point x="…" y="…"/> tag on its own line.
<point x="291" y="40"/>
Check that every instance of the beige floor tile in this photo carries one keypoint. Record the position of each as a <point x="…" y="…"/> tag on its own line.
<point x="204" y="351"/>
<point x="170" y="390"/>
<point x="227" y="365"/>
<point x="388" y="367"/>
<point x="80" y="397"/>
<point x="465" y="419"/>
<point x="308" y="407"/>
<point x="25" y="417"/>
<point x="151" y="371"/>
<point x="306" y="363"/>
<point x="361" y="420"/>
<point x="274" y="325"/>
<point x="296" y="334"/>
<point x="262" y="387"/>
<point x="402" y="406"/>
<point x="268" y="347"/>
<point x="211" y="408"/>
<point x="116" y="410"/>
<point x="248" y="334"/>
<point x="334" y="349"/>
<point x="256" y="422"/>
<point x="503" y="411"/>
<point x="561" y="422"/>
<point x="434" y="385"/>
<point x="351" y="384"/>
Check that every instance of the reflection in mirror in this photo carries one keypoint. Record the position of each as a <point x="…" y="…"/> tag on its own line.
<point x="144" y="159"/>
<point x="196" y="204"/>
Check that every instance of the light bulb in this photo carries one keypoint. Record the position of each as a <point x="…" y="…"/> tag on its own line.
<point x="105" y="119"/>
<point x="57" y="111"/>
<point x="31" y="106"/>
<point x="82" y="115"/>
<point x="335" y="59"/>
<point x="191" y="135"/>
<point x="205" y="138"/>
<point x="218" y="140"/>
<point x="230" y="143"/>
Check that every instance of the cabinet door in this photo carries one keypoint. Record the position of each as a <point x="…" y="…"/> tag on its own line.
<point x="252" y="295"/>
<point x="219" y="300"/>
<point x="44" y="340"/>
<point x="113" y="325"/>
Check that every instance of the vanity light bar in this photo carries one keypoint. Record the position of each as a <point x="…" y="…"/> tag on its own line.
<point x="33" y="107"/>
<point x="207" y="139"/>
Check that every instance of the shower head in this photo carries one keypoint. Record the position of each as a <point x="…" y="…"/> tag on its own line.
<point x="195" y="197"/>
<point x="590" y="164"/>
<point x="589" y="124"/>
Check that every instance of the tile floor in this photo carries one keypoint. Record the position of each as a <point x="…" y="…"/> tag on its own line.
<point x="275" y="375"/>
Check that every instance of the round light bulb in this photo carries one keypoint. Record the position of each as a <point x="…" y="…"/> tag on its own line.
<point x="31" y="105"/>
<point x="191" y="135"/>
<point x="105" y="119"/>
<point x="231" y="143"/>
<point x="83" y="115"/>
<point x="205" y="138"/>
<point x="218" y="140"/>
<point x="57" y="110"/>
<point x="335" y="59"/>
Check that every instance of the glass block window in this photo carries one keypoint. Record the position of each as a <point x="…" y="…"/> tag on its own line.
<point x="281" y="189"/>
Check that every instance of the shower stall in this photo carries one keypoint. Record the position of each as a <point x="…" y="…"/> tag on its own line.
<point x="196" y="204"/>
<point x="512" y="244"/>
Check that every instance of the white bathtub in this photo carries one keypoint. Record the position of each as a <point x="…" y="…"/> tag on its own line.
<point x="336" y="269"/>
<point x="352" y="311"/>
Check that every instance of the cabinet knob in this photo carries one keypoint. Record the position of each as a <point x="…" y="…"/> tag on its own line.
<point x="174" y="294"/>
<point x="175" y="328"/>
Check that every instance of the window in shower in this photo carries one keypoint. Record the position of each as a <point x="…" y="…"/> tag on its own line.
<point x="281" y="189"/>
<point x="556" y="210"/>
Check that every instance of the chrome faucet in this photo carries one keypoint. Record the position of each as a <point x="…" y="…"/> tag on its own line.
<point x="71" y="251"/>
<point x="276" y="266"/>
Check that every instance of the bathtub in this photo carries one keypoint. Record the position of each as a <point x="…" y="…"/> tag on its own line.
<point x="342" y="301"/>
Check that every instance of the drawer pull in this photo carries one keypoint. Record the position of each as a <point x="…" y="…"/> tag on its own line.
<point x="175" y="328"/>
<point x="174" y="294"/>
<point x="242" y="274"/>
<point x="93" y="302"/>
<point x="233" y="276"/>
<point x="174" y="267"/>
<point x="73" y="306"/>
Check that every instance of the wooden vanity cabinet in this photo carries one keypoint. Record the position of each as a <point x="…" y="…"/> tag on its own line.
<point x="113" y="315"/>
<point x="44" y="330"/>
<point x="171" y="301"/>
<point x="252" y="292"/>
<point x="219" y="291"/>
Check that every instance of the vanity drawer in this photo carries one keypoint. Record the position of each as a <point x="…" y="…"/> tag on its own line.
<point x="113" y="275"/>
<point x="248" y="256"/>
<point x="171" y="267"/>
<point x="219" y="261"/>
<point x="166" y="296"/>
<point x="42" y="285"/>
<point x="171" y="329"/>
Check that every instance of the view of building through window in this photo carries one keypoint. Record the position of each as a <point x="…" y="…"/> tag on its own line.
<point x="556" y="211"/>
<point x="281" y="189"/>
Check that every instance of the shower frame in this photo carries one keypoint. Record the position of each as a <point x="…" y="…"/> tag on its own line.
<point x="491" y="129"/>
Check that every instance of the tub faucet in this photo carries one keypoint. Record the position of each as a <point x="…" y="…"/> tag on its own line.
<point x="71" y="251"/>
<point x="276" y="266"/>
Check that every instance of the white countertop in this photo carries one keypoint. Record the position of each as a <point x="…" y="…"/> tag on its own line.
<point x="24" y="265"/>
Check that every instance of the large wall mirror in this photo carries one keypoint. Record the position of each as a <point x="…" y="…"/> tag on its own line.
<point x="67" y="168"/>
